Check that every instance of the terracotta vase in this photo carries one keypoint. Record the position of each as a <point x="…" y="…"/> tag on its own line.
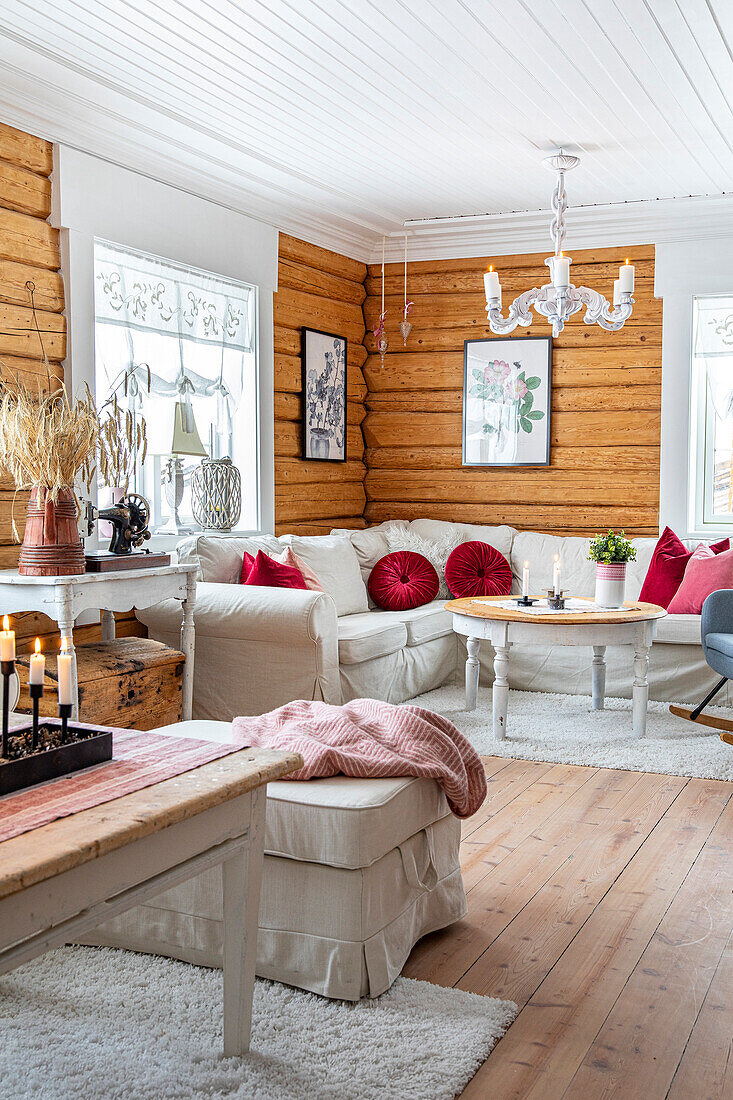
<point x="51" y="546"/>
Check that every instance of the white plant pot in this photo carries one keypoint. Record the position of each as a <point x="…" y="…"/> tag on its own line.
<point x="610" y="584"/>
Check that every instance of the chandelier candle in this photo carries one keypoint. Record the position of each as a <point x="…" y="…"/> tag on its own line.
<point x="492" y="285"/>
<point x="626" y="278"/>
<point x="36" y="673"/>
<point x="561" y="272"/>
<point x="7" y="667"/>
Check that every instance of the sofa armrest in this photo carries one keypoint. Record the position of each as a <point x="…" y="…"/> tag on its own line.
<point x="256" y="648"/>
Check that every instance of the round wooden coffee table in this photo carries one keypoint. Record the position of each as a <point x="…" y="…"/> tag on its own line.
<point x="479" y="618"/>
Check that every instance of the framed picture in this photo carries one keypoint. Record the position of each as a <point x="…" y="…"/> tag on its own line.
<point x="506" y="401"/>
<point x="323" y="358"/>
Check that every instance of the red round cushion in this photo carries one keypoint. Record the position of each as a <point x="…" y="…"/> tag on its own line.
<point x="402" y="580"/>
<point x="477" y="569"/>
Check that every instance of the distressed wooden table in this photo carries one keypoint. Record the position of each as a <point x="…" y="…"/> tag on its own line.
<point x="479" y="618"/>
<point x="64" y="598"/>
<point x="61" y="880"/>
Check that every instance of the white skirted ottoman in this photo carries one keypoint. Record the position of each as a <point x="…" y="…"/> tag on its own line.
<point x="355" y="872"/>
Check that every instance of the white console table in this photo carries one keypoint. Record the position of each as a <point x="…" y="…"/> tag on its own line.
<point x="64" y="598"/>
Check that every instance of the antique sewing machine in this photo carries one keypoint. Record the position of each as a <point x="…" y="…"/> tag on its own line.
<point x="129" y="519"/>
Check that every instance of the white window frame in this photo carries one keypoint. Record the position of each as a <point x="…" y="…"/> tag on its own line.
<point x="702" y="442"/>
<point x="93" y="198"/>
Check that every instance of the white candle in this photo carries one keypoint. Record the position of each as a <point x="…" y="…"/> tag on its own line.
<point x="556" y="575"/>
<point x="7" y="641"/>
<point x="492" y="286"/>
<point x="525" y="580"/>
<point x="65" y="675"/>
<point x="616" y="293"/>
<point x="37" y="665"/>
<point x="626" y="278"/>
<point x="561" y="271"/>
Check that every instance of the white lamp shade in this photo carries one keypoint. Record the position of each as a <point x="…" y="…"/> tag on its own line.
<point x="186" y="439"/>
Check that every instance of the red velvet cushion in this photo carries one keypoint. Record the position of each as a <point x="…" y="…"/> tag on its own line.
<point x="667" y="568"/>
<point x="477" y="569"/>
<point x="402" y="580"/>
<point x="266" y="573"/>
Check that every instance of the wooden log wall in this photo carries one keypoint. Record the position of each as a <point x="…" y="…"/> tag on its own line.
<point x="606" y="402"/>
<point x="29" y="250"/>
<point x="321" y="290"/>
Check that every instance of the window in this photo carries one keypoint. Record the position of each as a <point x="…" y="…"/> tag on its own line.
<point x="712" y="412"/>
<point x="177" y="346"/>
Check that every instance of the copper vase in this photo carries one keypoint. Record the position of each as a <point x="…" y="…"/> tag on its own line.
<point x="51" y="546"/>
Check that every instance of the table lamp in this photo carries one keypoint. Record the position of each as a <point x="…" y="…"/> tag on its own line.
<point x="186" y="441"/>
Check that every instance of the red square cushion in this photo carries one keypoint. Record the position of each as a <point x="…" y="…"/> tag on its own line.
<point x="706" y="572"/>
<point x="477" y="569"/>
<point x="266" y="573"/>
<point x="402" y="580"/>
<point x="667" y="568"/>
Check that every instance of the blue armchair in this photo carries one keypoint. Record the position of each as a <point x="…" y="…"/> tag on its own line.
<point x="716" y="632"/>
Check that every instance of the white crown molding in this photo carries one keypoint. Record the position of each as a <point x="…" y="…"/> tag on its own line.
<point x="654" y="221"/>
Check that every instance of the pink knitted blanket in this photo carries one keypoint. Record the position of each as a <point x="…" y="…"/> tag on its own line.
<point x="370" y="739"/>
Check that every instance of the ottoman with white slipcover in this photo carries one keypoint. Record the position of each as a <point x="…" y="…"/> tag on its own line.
<point x="355" y="872"/>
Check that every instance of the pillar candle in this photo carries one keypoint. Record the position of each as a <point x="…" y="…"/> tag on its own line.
<point x="525" y="580"/>
<point x="37" y="665"/>
<point x="492" y="286"/>
<point x="616" y="293"/>
<point x="561" y="271"/>
<point x="65" y="675"/>
<point x="626" y="278"/>
<point x="556" y="575"/>
<point x="7" y="641"/>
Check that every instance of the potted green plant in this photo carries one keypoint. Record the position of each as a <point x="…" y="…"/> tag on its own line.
<point x="611" y="552"/>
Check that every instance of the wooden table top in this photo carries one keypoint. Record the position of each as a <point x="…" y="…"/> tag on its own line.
<point x="470" y="605"/>
<point x="71" y="841"/>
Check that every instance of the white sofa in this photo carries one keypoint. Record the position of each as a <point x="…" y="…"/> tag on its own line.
<point x="257" y="648"/>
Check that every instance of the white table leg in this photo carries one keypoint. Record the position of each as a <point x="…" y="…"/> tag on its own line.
<point x="472" y="672"/>
<point x="598" y="671"/>
<point x="501" y="691"/>
<point x="188" y="644"/>
<point x="640" y="690"/>
<point x="108" y="626"/>
<point x="65" y="620"/>
<point x="242" y="875"/>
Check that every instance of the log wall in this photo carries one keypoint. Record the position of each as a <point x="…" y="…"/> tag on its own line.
<point x="321" y="290"/>
<point x="606" y="402"/>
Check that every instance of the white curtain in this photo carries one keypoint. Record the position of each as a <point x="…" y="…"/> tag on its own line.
<point x="713" y="346"/>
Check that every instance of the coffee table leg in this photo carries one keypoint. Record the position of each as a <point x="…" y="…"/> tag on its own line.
<point x="641" y="688"/>
<point x="472" y="670"/>
<point x="501" y="691"/>
<point x="598" y="670"/>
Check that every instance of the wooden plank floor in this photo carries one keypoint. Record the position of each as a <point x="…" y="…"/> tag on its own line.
<point x="599" y="901"/>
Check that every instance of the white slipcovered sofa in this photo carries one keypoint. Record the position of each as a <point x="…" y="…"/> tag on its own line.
<point x="257" y="648"/>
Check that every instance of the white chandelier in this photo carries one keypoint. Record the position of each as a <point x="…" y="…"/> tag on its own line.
<point x="558" y="300"/>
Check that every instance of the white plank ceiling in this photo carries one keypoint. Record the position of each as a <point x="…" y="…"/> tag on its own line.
<point x="341" y="119"/>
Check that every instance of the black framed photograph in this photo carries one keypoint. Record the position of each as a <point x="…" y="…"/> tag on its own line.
<point x="506" y="401"/>
<point x="323" y="358"/>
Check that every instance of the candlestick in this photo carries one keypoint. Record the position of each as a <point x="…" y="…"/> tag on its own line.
<point x="65" y="675"/>
<point x="626" y="275"/>
<point x="7" y="641"/>
<point x="556" y="575"/>
<point x="7" y="668"/>
<point x="64" y="714"/>
<point x="37" y="668"/>
<point x="525" y="580"/>
<point x="36" y="691"/>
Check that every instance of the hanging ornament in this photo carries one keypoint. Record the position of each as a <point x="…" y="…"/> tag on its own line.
<point x="405" y="325"/>
<point x="378" y="330"/>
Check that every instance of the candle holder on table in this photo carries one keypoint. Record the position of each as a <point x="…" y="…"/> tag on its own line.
<point x="525" y="601"/>
<point x="555" y="601"/>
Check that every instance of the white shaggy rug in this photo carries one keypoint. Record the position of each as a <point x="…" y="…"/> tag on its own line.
<point x="562" y="729"/>
<point x="98" y="1024"/>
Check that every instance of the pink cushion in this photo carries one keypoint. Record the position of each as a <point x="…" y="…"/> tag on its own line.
<point x="477" y="569"/>
<point x="667" y="568"/>
<point x="402" y="580"/>
<point x="267" y="573"/>
<point x="706" y="572"/>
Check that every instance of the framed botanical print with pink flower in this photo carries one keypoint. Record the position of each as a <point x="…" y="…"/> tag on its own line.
<point x="506" y="401"/>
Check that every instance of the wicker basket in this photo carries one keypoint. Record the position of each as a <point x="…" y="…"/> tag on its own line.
<point x="216" y="492"/>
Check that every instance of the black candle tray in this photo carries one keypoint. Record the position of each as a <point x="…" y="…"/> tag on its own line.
<point x="91" y="747"/>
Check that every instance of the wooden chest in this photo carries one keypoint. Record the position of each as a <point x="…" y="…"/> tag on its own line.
<point x="130" y="682"/>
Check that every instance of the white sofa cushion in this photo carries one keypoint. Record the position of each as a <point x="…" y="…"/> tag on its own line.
<point x="422" y="623"/>
<point x="539" y="549"/>
<point x="219" y="557"/>
<point x="501" y="538"/>
<point x="333" y="559"/>
<point x="679" y="629"/>
<point x="368" y="635"/>
<point x="347" y="822"/>
<point x="371" y="544"/>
